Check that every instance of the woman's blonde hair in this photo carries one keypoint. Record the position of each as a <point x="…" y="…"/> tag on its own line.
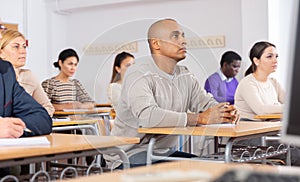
<point x="8" y="36"/>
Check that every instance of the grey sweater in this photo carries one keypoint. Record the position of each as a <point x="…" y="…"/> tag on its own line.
<point x="153" y="98"/>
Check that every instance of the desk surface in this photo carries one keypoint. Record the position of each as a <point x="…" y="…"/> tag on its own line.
<point x="83" y="111"/>
<point x="75" y="122"/>
<point x="242" y="129"/>
<point x="211" y="168"/>
<point x="62" y="143"/>
<point x="268" y="116"/>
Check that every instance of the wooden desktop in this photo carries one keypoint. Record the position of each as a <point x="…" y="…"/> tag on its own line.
<point x="242" y="131"/>
<point x="212" y="169"/>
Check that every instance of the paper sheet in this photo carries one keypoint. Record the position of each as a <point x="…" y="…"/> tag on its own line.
<point x="61" y="119"/>
<point x="219" y="125"/>
<point x="24" y="141"/>
<point x="76" y="110"/>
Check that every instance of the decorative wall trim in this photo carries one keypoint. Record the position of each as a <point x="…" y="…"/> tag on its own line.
<point x="206" y="42"/>
<point x="192" y="43"/>
<point x="94" y="49"/>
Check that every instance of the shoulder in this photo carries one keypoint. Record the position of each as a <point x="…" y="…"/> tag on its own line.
<point x="214" y="76"/>
<point x="76" y="81"/>
<point x="140" y="67"/>
<point x="5" y="66"/>
<point x="248" y="79"/>
<point x="113" y="85"/>
<point x="27" y="74"/>
<point x="25" y="71"/>
<point x="247" y="83"/>
<point x="274" y="81"/>
<point x="49" y="81"/>
<point x="183" y="70"/>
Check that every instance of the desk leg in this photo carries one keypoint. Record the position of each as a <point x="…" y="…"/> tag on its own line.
<point x="120" y="152"/>
<point x="288" y="157"/>
<point x="216" y="146"/>
<point x="228" y="150"/>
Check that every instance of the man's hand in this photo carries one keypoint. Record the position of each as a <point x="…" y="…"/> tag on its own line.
<point x="221" y="113"/>
<point x="11" y="127"/>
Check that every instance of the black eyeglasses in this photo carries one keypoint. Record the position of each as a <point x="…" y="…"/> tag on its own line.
<point x="2" y="27"/>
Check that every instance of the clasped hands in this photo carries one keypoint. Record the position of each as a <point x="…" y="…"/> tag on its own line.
<point x="221" y="113"/>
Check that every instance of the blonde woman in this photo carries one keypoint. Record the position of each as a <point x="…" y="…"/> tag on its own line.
<point x="13" y="49"/>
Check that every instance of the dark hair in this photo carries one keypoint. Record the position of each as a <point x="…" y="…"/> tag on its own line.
<point x="65" y="54"/>
<point x="255" y="52"/>
<point x="228" y="57"/>
<point x="118" y="61"/>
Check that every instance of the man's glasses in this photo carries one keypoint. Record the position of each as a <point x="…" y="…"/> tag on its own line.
<point x="2" y="27"/>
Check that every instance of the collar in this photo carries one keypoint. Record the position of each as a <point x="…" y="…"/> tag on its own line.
<point x="223" y="77"/>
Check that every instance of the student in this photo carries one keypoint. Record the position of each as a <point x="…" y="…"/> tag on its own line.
<point x="63" y="91"/>
<point x="222" y="84"/>
<point x="18" y="110"/>
<point x="156" y="92"/>
<point x="122" y="61"/>
<point x="258" y="93"/>
<point x="13" y="49"/>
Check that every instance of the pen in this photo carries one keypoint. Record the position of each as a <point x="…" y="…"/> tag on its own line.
<point x="27" y="130"/>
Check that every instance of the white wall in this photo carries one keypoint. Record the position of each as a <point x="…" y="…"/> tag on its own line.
<point x="128" y="22"/>
<point x="53" y="25"/>
<point x="31" y="18"/>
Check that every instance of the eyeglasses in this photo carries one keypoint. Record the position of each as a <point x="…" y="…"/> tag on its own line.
<point x="2" y="27"/>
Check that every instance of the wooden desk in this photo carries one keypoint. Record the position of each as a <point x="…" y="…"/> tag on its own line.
<point x="84" y="114"/>
<point x="98" y="127"/>
<point x="83" y="111"/>
<point x="74" y="122"/>
<point x="213" y="169"/>
<point x="103" y="105"/>
<point x="268" y="116"/>
<point x="243" y="131"/>
<point x="63" y="146"/>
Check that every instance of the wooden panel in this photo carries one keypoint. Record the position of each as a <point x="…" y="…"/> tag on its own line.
<point x="11" y="26"/>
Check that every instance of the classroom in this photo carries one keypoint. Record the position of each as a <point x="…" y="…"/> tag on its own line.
<point x="95" y="32"/>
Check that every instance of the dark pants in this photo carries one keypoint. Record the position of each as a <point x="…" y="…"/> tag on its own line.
<point x="4" y="172"/>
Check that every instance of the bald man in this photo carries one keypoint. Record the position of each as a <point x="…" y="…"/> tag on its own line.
<point x="158" y="93"/>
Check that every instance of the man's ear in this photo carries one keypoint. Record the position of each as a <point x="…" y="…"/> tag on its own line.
<point x="155" y="44"/>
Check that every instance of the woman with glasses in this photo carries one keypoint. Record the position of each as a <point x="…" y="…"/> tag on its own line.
<point x="13" y="49"/>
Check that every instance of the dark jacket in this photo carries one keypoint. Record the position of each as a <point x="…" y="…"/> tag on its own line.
<point x="16" y="102"/>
